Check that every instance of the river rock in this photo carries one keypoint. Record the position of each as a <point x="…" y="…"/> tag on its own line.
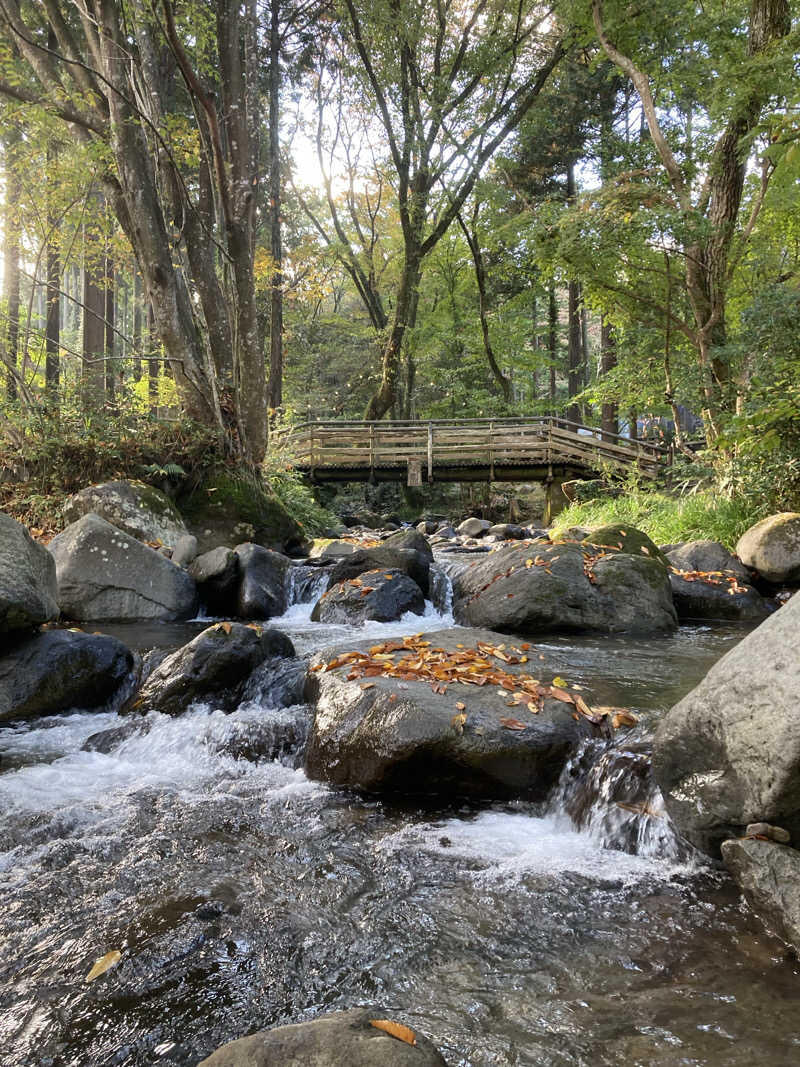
<point x="729" y="753"/>
<point x="105" y="574"/>
<point x="473" y="527"/>
<point x="324" y="549"/>
<point x="263" y="584"/>
<point x="572" y="588"/>
<point x="621" y="537"/>
<point x="416" y="565"/>
<point x="133" y="507"/>
<point x="184" y="551"/>
<point x="28" y="587"/>
<point x="216" y="575"/>
<point x="411" y="540"/>
<point x="213" y="668"/>
<point x="772" y="547"/>
<point x="391" y="594"/>
<point x="343" y="1039"/>
<point x="706" y="556"/>
<point x="507" y="531"/>
<point x="58" y="670"/>
<point x="397" y="735"/>
<point x="723" y="595"/>
<point x="768" y="875"/>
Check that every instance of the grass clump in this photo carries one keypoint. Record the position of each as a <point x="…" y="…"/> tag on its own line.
<point x="666" y="519"/>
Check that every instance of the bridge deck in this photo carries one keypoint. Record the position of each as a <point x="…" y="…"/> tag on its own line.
<point x="535" y="449"/>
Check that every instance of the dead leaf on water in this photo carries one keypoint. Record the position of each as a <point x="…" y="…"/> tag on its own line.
<point x="105" y="963"/>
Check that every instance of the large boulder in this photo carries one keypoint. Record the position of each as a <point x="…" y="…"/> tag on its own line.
<point x="473" y="527"/>
<point x="729" y="753"/>
<point x="410" y="539"/>
<point x="772" y="547"/>
<point x="59" y="670"/>
<point x="213" y="668"/>
<point x="568" y="587"/>
<point x="133" y="507"/>
<point x="621" y="537"/>
<point x="708" y="557"/>
<point x="324" y="548"/>
<point x="28" y="588"/>
<point x="216" y="575"/>
<point x="715" y="595"/>
<point x="416" y="565"/>
<point x="769" y="876"/>
<point x="104" y="574"/>
<point x="263" y="583"/>
<point x="419" y="731"/>
<point x="343" y="1039"/>
<point x="378" y="595"/>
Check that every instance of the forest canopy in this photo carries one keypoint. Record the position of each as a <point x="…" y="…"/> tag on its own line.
<point x="240" y="213"/>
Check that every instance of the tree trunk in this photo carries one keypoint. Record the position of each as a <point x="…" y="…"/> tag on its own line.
<point x="609" y="420"/>
<point x="407" y="296"/>
<point x="275" y="390"/>
<point x="137" y="326"/>
<point x="11" y="224"/>
<point x="94" y="334"/>
<point x="552" y="339"/>
<point x="109" y="312"/>
<point x="574" y="360"/>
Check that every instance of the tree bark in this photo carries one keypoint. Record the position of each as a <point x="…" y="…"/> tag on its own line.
<point x="552" y="339"/>
<point x="94" y="334"/>
<point x="275" y="390"/>
<point x="11" y="273"/>
<point x="609" y="420"/>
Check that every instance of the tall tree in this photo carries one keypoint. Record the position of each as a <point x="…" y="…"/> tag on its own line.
<point x="709" y="203"/>
<point x="447" y="87"/>
<point x="188" y="212"/>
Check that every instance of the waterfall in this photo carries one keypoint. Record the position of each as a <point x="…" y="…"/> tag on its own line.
<point x="305" y="583"/>
<point x="608" y="792"/>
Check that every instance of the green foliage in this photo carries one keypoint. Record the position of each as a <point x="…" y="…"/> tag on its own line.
<point x="667" y="519"/>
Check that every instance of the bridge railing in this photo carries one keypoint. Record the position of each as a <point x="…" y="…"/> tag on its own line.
<point x="454" y="443"/>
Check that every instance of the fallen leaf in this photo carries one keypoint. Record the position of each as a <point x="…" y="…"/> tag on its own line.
<point x="367" y="685"/>
<point x="458" y="722"/>
<point x="225" y="627"/>
<point x="559" y="682"/>
<point x="105" y="963"/>
<point x="513" y="724"/>
<point x="402" y="1033"/>
<point x="461" y="705"/>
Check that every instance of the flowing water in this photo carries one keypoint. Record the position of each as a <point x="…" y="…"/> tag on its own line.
<point x="243" y="895"/>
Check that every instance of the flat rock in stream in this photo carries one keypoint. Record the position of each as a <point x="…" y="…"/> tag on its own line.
<point x="382" y="595"/>
<point x="729" y="753"/>
<point x="59" y="670"/>
<point x="388" y="734"/>
<point x="721" y="595"/>
<point x="214" y="667"/>
<point x="343" y="1039"/>
<point x="535" y="587"/>
<point x="769" y="876"/>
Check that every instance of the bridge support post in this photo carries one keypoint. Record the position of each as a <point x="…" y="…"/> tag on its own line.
<point x="555" y="500"/>
<point x="430" y="451"/>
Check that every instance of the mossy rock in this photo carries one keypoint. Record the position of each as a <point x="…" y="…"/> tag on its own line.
<point x="228" y="510"/>
<point x="620" y="537"/>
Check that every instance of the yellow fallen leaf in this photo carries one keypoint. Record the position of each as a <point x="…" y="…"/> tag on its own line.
<point x="402" y="1033"/>
<point x="559" y="682"/>
<point x="461" y="705"/>
<point x="105" y="963"/>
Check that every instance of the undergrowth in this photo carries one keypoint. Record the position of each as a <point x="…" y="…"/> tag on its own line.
<point x="703" y="515"/>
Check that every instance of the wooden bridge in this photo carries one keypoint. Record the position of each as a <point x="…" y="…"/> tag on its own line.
<point x="544" y="449"/>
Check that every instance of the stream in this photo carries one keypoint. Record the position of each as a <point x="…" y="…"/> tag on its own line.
<point x="242" y="895"/>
